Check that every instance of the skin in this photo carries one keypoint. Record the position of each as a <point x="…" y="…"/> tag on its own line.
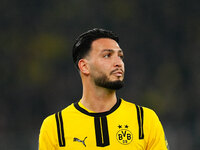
<point x="104" y="59"/>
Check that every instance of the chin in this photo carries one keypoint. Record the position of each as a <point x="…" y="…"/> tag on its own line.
<point x="115" y="85"/>
<point x="118" y="79"/>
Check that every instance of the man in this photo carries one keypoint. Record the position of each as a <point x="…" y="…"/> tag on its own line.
<point x="100" y="120"/>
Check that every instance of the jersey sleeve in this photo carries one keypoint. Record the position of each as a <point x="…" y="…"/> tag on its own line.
<point x="156" y="136"/>
<point x="47" y="134"/>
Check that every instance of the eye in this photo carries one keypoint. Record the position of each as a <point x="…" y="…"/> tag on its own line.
<point x="107" y="55"/>
<point x="121" y="56"/>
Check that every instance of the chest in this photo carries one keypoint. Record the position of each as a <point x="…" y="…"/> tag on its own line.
<point x="105" y="132"/>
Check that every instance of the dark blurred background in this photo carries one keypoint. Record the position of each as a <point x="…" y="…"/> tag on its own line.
<point x="160" y="40"/>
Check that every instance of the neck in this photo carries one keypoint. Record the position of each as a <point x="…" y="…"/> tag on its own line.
<point x="98" y="99"/>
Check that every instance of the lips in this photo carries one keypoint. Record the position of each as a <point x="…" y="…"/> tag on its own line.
<point x="117" y="72"/>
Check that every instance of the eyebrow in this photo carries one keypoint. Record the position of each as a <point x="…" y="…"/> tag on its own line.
<point x="111" y="50"/>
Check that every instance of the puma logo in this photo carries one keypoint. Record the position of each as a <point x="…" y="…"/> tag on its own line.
<point x="77" y="140"/>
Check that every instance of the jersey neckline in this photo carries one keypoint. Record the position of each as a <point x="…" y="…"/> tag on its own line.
<point x="76" y="105"/>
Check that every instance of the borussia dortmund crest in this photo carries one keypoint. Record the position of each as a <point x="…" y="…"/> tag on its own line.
<point x="124" y="136"/>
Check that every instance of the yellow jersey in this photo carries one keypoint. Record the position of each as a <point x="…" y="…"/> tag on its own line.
<point x="125" y="127"/>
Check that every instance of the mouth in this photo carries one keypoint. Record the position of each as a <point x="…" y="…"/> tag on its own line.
<point x="117" y="72"/>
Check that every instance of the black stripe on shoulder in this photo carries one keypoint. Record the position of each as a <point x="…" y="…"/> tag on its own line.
<point x="140" y="117"/>
<point x="60" y="129"/>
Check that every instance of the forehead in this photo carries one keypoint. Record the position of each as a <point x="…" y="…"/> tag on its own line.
<point x="104" y="43"/>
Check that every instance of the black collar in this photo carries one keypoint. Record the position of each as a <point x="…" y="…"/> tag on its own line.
<point x="98" y="114"/>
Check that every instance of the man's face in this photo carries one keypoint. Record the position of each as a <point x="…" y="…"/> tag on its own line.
<point x="106" y="64"/>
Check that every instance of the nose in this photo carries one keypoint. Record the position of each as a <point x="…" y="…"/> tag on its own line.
<point x="118" y="62"/>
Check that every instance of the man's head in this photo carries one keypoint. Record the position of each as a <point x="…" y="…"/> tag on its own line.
<point x="83" y="43"/>
<point x="97" y="55"/>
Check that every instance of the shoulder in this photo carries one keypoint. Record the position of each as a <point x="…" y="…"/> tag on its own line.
<point x="131" y="104"/>
<point x="150" y="116"/>
<point x="151" y="119"/>
<point x="126" y="104"/>
<point x="148" y="113"/>
<point x="48" y="131"/>
<point x="50" y="120"/>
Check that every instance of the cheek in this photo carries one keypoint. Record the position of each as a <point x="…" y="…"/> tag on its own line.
<point x="94" y="68"/>
<point x="100" y="64"/>
<point x="99" y="67"/>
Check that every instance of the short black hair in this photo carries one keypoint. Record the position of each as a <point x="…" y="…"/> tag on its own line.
<point x="83" y="42"/>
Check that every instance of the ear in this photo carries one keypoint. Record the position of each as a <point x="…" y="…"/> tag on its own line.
<point x="83" y="66"/>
